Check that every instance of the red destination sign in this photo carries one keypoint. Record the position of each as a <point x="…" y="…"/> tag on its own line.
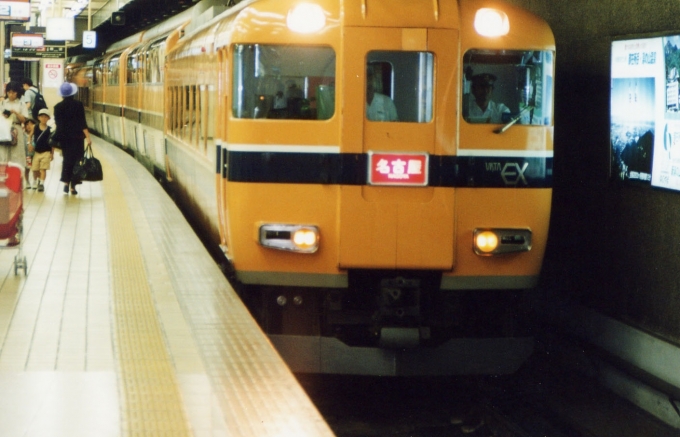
<point x="398" y="169"/>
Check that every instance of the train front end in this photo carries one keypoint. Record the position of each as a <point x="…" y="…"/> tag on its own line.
<point x="375" y="224"/>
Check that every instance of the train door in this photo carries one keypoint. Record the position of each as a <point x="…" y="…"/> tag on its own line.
<point x="220" y="124"/>
<point x="397" y="219"/>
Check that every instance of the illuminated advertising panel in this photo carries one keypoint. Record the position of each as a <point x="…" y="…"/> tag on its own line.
<point x="645" y="111"/>
<point x="17" y="10"/>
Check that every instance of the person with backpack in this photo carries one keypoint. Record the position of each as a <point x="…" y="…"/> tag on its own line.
<point x="44" y="151"/>
<point x="33" y="99"/>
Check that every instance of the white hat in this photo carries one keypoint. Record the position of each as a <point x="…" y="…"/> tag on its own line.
<point x="68" y="89"/>
<point x="44" y="111"/>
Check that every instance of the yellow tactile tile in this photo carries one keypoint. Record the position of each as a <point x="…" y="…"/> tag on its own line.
<point x="150" y="397"/>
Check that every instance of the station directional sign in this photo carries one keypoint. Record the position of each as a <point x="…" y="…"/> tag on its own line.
<point x="51" y="49"/>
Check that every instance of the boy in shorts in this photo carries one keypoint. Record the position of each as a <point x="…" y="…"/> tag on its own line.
<point x="44" y="153"/>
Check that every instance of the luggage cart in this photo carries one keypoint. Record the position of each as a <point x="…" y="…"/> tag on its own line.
<point x="11" y="212"/>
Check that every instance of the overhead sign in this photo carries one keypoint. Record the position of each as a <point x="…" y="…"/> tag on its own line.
<point x="51" y="49"/>
<point x="60" y="29"/>
<point x="34" y="40"/>
<point x="89" y="39"/>
<point x="17" y="10"/>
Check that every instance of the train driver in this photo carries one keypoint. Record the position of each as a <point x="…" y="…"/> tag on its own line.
<point x="295" y="99"/>
<point x="481" y="109"/>
<point x="379" y="107"/>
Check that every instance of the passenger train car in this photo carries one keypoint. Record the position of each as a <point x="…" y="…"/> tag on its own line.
<point x="377" y="173"/>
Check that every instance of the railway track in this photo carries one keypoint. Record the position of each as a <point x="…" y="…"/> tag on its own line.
<point x="543" y="399"/>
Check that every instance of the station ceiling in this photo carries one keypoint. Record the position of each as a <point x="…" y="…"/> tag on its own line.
<point x="139" y="14"/>
<point x="115" y="19"/>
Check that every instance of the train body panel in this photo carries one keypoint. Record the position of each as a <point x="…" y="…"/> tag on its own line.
<point x="352" y="227"/>
<point x="150" y="127"/>
<point x="114" y="75"/>
<point x="191" y="170"/>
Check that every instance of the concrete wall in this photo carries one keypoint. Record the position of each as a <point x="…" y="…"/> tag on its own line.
<point x="613" y="247"/>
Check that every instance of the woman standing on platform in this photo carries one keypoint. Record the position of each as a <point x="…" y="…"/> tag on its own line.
<point x="12" y="108"/>
<point x="69" y="116"/>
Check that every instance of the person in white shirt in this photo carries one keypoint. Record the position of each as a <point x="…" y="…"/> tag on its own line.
<point x="280" y="101"/>
<point x="379" y="107"/>
<point x="481" y="109"/>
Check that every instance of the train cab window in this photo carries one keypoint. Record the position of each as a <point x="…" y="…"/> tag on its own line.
<point x="399" y="86"/>
<point x="508" y="86"/>
<point x="283" y="82"/>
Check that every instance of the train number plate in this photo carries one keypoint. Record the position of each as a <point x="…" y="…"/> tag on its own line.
<point x="404" y="169"/>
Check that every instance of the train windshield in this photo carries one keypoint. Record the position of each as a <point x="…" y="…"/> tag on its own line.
<point x="504" y="86"/>
<point x="399" y="86"/>
<point x="283" y="82"/>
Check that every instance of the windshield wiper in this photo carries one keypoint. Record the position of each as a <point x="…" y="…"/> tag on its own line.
<point x="502" y="129"/>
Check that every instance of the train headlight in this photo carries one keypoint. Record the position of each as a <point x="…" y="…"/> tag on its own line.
<point x="306" y="18"/>
<point x="498" y="241"/>
<point x="486" y="242"/>
<point x="292" y="238"/>
<point x="491" y="22"/>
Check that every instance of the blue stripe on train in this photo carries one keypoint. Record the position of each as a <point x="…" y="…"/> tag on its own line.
<point x="351" y="169"/>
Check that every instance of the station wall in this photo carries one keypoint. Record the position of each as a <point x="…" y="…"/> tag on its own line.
<point x="613" y="246"/>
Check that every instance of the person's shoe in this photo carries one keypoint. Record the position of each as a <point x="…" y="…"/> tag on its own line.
<point x="41" y="187"/>
<point x="13" y="243"/>
<point x="74" y="192"/>
<point x="66" y="189"/>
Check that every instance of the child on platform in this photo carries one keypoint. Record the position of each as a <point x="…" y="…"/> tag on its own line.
<point x="44" y="153"/>
<point x="29" y="125"/>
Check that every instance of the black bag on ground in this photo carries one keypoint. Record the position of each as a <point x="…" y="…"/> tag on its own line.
<point x="89" y="168"/>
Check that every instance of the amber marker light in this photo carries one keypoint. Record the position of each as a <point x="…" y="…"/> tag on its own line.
<point x="292" y="238"/>
<point x="306" y="18"/>
<point x="305" y="238"/>
<point x="486" y="242"/>
<point x="492" y="22"/>
<point x="497" y="241"/>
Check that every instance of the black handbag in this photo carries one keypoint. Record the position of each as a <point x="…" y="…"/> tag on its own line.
<point x="89" y="168"/>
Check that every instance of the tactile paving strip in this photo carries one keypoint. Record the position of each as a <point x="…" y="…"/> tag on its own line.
<point x="150" y="399"/>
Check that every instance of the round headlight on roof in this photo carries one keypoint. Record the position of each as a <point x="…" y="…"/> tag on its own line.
<point x="306" y="18"/>
<point x="491" y="22"/>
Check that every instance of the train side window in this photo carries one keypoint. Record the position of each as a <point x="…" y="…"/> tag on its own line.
<point x="97" y="78"/>
<point x="133" y="67"/>
<point x="113" y="70"/>
<point x="195" y="117"/>
<point x="503" y="86"/>
<point x="283" y="82"/>
<point x="153" y="57"/>
<point x="399" y="86"/>
<point x="174" y="112"/>
<point x="204" y="111"/>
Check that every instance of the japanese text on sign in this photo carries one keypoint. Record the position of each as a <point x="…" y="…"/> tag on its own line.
<point x="644" y="58"/>
<point x="398" y="169"/>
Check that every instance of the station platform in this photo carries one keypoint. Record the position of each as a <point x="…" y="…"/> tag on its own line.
<point x="124" y="326"/>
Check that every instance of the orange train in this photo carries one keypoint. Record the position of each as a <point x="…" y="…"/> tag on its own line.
<point x="377" y="174"/>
